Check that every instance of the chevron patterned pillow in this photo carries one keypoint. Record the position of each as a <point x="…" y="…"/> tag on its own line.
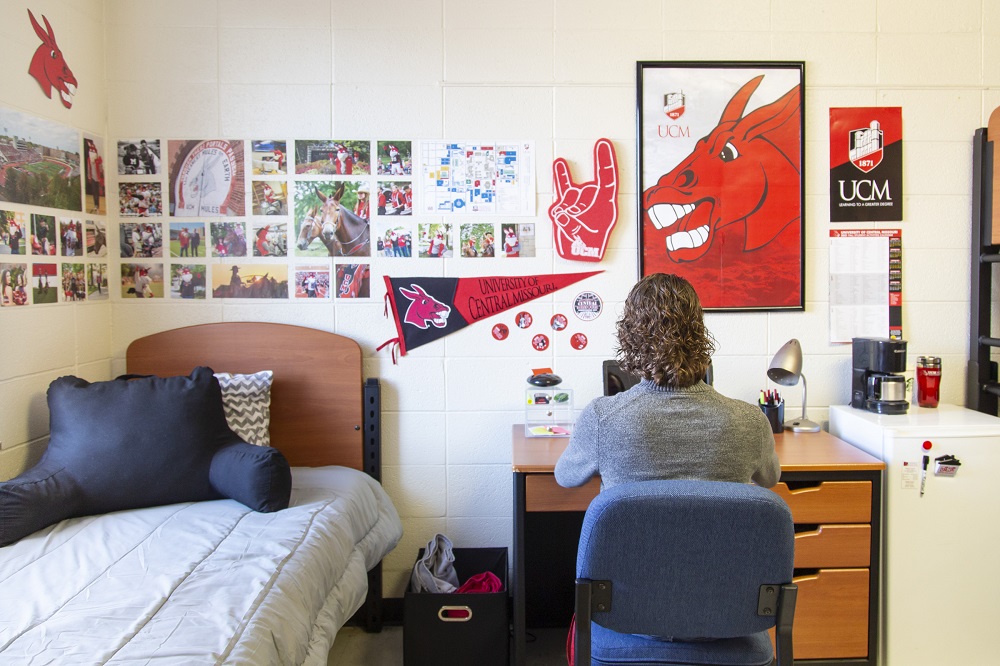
<point x="246" y="399"/>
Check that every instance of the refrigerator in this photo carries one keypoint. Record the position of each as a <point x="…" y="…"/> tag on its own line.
<point x="940" y="569"/>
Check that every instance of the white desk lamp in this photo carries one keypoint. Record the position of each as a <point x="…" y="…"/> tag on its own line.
<point x="786" y="369"/>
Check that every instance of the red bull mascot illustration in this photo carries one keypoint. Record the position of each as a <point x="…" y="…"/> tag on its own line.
<point x="728" y="215"/>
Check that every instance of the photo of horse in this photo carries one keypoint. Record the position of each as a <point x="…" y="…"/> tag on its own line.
<point x="325" y="224"/>
<point x="229" y="239"/>
<point x="96" y="238"/>
<point x="250" y="281"/>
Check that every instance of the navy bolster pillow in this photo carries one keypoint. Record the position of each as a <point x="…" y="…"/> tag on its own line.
<point x="257" y="476"/>
<point x="130" y="444"/>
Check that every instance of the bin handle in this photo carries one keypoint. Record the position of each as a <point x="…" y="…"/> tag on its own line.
<point x="445" y="616"/>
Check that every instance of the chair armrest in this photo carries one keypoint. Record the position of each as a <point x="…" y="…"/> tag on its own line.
<point x="783" y="625"/>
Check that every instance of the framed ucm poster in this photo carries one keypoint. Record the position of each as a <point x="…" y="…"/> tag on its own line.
<point x="721" y="187"/>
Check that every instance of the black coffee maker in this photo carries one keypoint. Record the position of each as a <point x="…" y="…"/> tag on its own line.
<point x="875" y="384"/>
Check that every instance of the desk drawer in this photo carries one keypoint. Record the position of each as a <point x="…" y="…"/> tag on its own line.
<point x="831" y="615"/>
<point x="833" y="546"/>
<point x="829" y="502"/>
<point x="542" y="493"/>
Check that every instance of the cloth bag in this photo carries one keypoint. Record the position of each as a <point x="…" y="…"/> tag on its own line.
<point x="435" y="571"/>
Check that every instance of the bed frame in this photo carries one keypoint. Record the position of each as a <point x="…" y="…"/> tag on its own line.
<point x="321" y="413"/>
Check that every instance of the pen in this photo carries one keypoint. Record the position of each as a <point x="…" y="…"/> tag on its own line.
<point x="923" y="474"/>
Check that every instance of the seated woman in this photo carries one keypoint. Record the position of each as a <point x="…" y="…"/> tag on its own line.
<point x="671" y="425"/>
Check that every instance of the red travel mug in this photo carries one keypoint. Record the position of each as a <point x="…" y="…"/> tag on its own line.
<point x="928" y="381"/>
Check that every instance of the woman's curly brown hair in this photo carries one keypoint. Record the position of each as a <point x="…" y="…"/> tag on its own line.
<point x="662" y="334"/>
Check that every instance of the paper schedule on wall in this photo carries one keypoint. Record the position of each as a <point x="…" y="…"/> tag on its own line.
<point x="866" y="273"/>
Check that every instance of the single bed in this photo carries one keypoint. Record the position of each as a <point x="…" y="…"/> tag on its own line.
<point x="214" y="582"/>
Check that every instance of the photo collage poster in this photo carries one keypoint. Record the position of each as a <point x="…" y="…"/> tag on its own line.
<point x="201" y="219"/>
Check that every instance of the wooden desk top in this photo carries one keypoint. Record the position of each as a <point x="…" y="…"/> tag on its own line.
<point x="797" y="451"/>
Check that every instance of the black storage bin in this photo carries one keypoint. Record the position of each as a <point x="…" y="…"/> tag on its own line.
<point x="477" y="637"/>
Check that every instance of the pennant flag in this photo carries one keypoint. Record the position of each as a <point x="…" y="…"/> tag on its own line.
<point x="428" y="308"/>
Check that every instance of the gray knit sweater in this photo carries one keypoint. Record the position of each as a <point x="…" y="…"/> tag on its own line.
<point x="650" y="432"/>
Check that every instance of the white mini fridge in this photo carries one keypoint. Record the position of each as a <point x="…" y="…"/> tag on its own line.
<point x="940" y="601"/>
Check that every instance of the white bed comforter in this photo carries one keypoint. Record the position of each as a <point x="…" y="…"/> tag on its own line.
<point x="199" y="583"/>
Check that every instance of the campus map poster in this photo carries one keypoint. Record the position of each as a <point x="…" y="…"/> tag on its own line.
<point x="866" y="277"/>
<point x="477" y="177"/>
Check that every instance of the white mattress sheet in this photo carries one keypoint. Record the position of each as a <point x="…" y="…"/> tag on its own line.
<point x="198" y="583"/>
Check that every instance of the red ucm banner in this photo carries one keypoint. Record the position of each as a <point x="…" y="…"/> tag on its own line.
<point x="866" y="164"/>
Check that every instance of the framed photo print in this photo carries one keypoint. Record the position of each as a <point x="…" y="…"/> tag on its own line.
<point x="721" y="183"/>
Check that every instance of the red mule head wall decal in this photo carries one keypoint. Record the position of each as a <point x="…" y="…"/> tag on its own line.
<point x="49" y="67"/>
<point x="728" y="177"/>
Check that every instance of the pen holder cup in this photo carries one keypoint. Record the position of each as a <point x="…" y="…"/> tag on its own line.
<point x="775" y="415"/>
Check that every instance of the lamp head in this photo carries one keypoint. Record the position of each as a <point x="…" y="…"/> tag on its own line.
<point x="786" y="366"/>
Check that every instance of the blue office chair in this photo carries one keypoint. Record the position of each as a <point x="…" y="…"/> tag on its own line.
<point x="692" y="560"/>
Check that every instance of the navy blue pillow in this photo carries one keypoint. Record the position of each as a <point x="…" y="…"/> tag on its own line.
<point x="257" y="476"/>
<point x="131" y="444"/>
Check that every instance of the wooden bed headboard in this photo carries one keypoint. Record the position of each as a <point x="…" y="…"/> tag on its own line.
<point x="320" y="412"/>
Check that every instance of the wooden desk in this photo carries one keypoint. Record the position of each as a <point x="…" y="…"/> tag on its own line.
<point x="833" y="489"/>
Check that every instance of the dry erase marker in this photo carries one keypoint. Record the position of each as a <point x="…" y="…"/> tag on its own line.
<point x="923" y="474"/>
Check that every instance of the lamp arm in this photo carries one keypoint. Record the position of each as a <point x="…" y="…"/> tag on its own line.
<point x="803" y="378"/>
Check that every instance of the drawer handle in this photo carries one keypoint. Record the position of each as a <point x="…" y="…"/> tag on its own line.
<point x="455" y="614"/>
<point x="796" y="486"/>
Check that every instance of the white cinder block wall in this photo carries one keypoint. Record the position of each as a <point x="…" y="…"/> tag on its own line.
<point x="558" y="72"/>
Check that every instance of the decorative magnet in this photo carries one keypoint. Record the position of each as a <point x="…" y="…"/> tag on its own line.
<point x="587" y="306"/>
<point x="540" y="342"/>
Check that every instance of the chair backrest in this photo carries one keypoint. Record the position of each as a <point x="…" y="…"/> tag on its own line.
<point x="617" y="380"/>
<point x="686" y="558"/>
